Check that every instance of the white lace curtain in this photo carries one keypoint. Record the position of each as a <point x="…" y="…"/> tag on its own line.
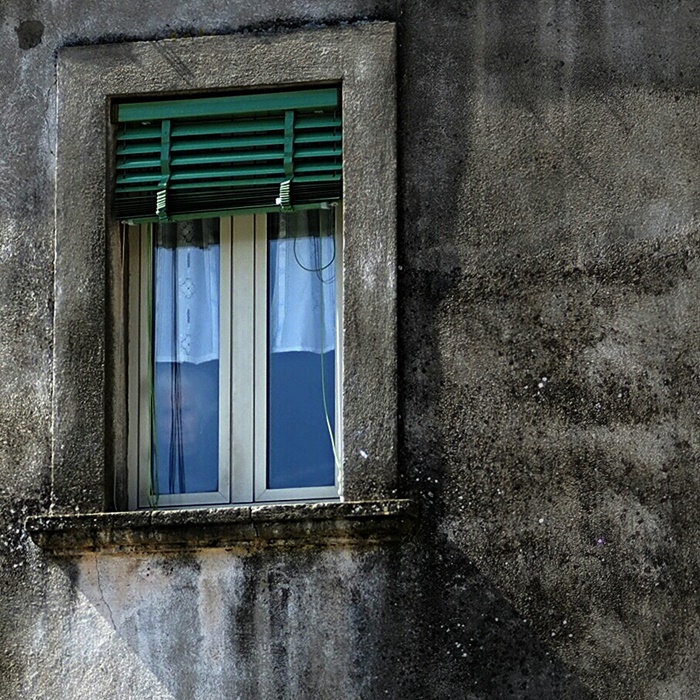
<point x="187" y="283"/>
<point x="302" y="285"/>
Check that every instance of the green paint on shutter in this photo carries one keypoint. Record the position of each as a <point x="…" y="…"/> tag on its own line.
<point x="180" y="159"/>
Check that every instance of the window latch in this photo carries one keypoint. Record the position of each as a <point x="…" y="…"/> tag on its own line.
<point x="284" y="201"/>
<point x="161" y="205"/>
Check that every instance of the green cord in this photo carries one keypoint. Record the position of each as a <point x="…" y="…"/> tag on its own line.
<point x="334" y="448"/>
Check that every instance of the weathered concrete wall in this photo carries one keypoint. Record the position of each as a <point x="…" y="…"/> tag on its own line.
<point x="551" y="404"/>
<point x="549" y="353"/>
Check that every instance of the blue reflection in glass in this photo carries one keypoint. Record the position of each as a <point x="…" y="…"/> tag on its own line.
<point x="301" y="349"/>
<point x="186" y="446"/>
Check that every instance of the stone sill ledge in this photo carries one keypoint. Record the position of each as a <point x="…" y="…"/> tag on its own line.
<point x="235" y="527"/>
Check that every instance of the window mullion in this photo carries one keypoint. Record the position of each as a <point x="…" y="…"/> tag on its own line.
<point x="242" y="349"/>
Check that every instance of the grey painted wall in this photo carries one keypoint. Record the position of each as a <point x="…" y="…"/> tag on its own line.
<point x="548" y="351"/>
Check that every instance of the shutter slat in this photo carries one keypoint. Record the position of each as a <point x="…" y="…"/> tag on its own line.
<point x="239" y="157"/>
<point x="318" y="137"/>
<point x="317" y="152"/>
<point x="131" y="148"/>
<point x="132" y="178"/>
<point x="318" y="167"/>
<point x="132" y="132"/>
<point x="243" y="126"/>
<point x="227" y="183"/>
<point x="315" y="121"/>
<point x="139" y="163"/>
<point x="212" y="144"/>
<point x="242" y="171"/>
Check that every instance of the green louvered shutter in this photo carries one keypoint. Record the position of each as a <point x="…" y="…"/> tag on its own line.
<point x="179" y="159"/>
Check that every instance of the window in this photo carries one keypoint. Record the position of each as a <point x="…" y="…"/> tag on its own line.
<point x="235" y="359"/>
<point x="91" y="464"/>
<point x="234" y="347"/>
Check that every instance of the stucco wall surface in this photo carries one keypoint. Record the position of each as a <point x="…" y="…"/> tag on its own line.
<point x="548" y="346"/>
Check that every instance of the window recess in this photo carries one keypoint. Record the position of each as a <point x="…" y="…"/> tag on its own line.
<point x="234" y="339"/>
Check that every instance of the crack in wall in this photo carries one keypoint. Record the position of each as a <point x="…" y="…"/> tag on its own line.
<point x="102" y="595"/>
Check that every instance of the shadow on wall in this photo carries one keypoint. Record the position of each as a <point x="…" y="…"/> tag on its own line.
<point x="548" y="302"/>
<point x="412" y="621"/>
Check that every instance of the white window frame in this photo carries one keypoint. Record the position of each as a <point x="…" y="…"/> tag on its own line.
<point x="243" y="397"/>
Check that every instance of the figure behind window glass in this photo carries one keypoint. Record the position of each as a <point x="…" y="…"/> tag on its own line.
<point x="186" y="357"/>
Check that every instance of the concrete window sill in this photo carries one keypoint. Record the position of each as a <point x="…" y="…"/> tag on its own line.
<point x="239" y="527"/>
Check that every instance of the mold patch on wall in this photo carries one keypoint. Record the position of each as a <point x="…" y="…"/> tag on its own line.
<point x="29" y="34"/>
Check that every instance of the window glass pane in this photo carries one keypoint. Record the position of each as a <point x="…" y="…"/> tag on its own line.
<point x="301" y="349"/>
<point x="185" y="399"/>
